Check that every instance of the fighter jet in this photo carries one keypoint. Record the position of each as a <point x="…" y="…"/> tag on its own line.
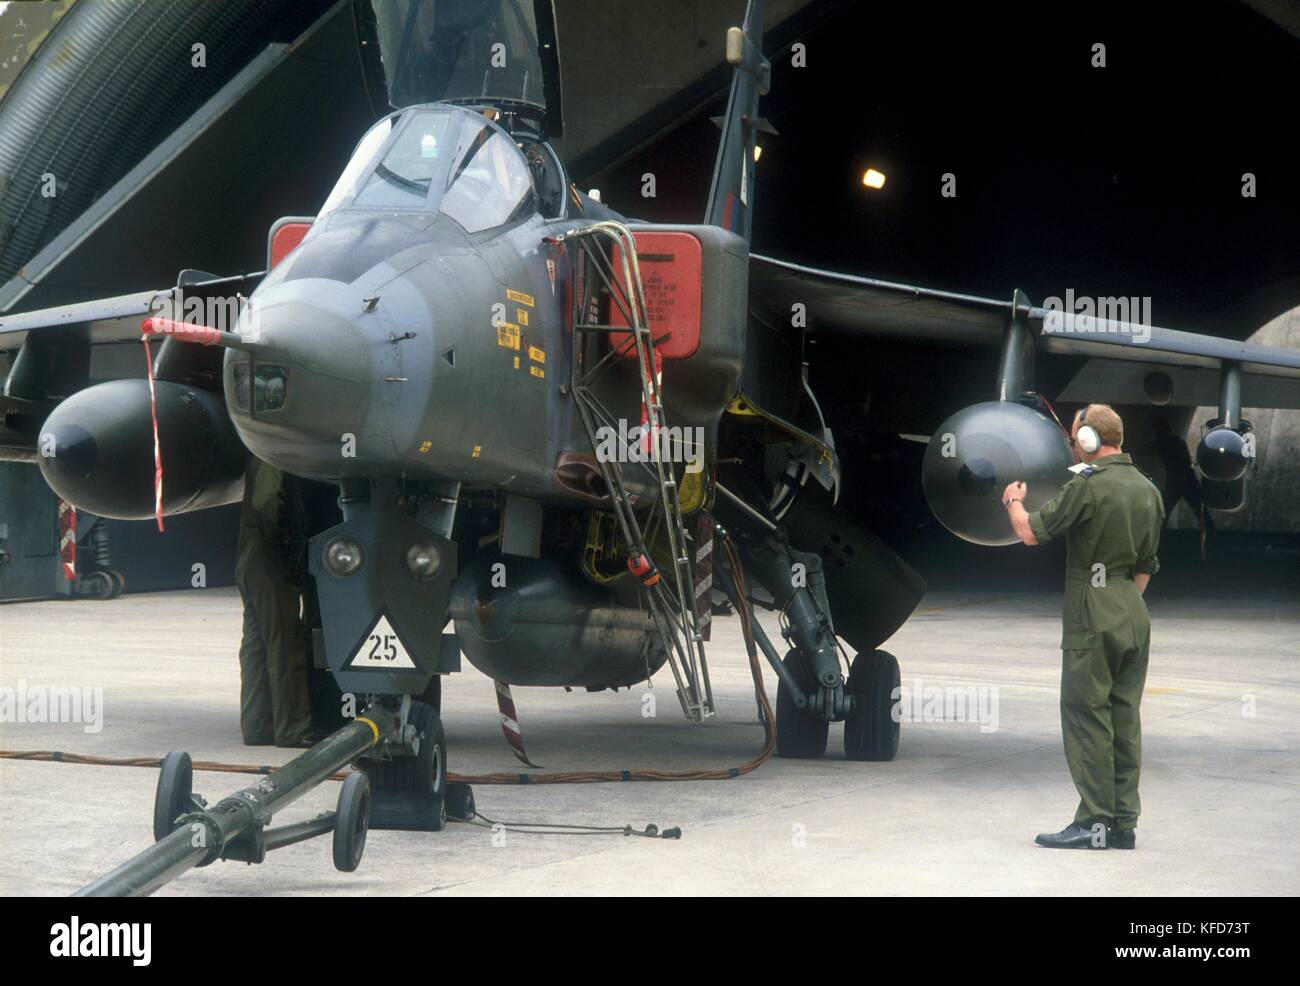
<point x="547" y="420"/>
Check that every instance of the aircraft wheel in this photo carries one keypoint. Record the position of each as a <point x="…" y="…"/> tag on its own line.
<point x="799" y="734"/>
<point x="174" y="794"/>
<point x="97" y="585"/>
<point x="351" y="822"/>
<point x="120" y="582"/>
<point x="424" y="773"/>
<point x="871" y="731"/>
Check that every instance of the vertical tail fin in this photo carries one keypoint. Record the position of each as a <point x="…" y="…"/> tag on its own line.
<point x="732" y="194"/>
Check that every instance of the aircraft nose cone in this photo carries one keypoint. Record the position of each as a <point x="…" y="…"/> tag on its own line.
<point x="306" y="385"/>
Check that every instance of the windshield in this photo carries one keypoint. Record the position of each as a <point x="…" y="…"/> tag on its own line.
<point x="459" y="49"/>
<point x="440" y="158"/>
<point x="365" y="152"/>
<point x="413" y="160"/>
<point x="490" y="184"/>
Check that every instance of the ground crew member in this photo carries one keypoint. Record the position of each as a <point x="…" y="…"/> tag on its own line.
<point x="1110" y="514"/>
<point x="312" y="508"/>
<point x="274" y="704"/>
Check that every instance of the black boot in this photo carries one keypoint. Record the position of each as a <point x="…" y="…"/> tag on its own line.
<point x="1073" y="836"/>
<point x="1121" y="838"/>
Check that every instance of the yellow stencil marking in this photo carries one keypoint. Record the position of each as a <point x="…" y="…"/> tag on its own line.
<point x="508" y="335"/>
<point x="536" y="355"/>
<point x="521" y="316"/>
<point x="520" y="297"/>
<point x="516" y="362"/>
<point x="425" y="446"/>
<point x="537" y="371"/>
<point x="478" y="450"/>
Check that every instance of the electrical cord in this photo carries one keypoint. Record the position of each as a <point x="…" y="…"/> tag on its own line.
<point x="510" y="777"/>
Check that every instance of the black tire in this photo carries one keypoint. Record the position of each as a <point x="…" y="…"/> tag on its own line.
<point x="97" y="585"/>
<point x="460" y="801"/>
<point x="174" y="794"/>
<point x="120" y="580"/>
<point x="424" y="773"/>
<point x="871" y="731"/>
<point x="799" y="734"/>
<point x="351" y="822"/>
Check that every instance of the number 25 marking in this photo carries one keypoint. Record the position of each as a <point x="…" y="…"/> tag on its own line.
<point x="388" y="641"/>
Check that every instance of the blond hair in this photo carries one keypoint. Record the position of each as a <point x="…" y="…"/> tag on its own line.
<point x="1103" y="419"/>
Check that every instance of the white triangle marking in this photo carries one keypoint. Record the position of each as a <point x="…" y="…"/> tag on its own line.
<point x="382" y="649"/>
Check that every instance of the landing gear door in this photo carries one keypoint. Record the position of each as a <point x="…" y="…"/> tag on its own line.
<point x="384" y="583"/>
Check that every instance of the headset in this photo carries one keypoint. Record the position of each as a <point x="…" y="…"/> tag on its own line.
<point x="1087" y="438"/>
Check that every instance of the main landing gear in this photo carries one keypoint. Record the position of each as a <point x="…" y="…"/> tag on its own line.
<point x="812" y="691"/>
<point x="870" y="727"/>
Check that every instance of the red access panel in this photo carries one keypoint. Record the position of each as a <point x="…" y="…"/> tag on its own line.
<point x="671" y="275"/>
<point x="285" y="239"/>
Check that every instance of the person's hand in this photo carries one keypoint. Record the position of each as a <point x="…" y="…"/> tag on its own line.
<point x="1014" y="491"/>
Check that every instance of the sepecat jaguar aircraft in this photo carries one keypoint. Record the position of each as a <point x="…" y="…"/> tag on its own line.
<point x="547" y="423"/>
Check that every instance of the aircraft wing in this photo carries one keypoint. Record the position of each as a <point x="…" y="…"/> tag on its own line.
<point x="117" y="319"/>
<point x="103" y="320"/>
<point x="1120" y="355"/>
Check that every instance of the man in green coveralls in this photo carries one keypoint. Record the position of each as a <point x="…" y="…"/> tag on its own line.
<point x="274" y="702"/>
<point x="1110" y="514"/>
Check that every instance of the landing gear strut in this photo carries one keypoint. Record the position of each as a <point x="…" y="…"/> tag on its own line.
<point x="811" y="693"/>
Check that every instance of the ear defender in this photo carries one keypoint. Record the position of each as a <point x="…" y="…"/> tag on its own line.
<point x="1087" y="438"/>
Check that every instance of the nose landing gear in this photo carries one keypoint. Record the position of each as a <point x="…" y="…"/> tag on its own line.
<point x="410" y="793"/>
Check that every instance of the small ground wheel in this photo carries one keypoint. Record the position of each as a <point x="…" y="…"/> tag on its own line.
<point x="97" y="585"/>
<point x="799" y="734"/>
<point x="871" y="730"/>
<point x="351" y="822"/>
<point x="174" y="795"/>
<point x="460" y="801"/>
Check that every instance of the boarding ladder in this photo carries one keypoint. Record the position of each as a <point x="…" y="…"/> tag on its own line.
<point x="605" y="259"/>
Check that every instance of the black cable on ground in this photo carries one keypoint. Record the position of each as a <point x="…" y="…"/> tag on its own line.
<point x="506" y="777"/>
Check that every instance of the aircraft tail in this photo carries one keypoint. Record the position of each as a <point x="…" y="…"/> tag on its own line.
<point x="731" y="195"/>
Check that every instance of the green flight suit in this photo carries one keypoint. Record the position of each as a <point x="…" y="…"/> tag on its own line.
<point x="274" y="700"/>
<point x="1111" y="515"/>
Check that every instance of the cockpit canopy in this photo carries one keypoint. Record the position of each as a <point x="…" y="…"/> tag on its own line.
<point x="499" y="52"/>
<point x="442" y="159"/>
